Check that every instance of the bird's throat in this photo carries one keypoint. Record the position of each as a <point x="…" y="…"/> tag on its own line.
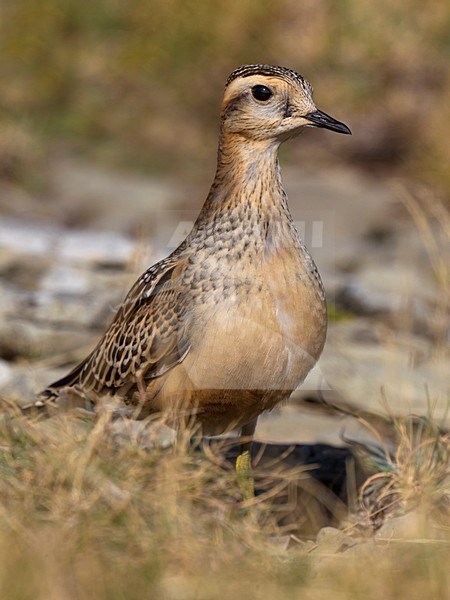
<point x="247" y="182"/>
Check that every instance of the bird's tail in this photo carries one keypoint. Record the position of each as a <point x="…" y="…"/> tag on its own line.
<point x="70" y="380"/>
<point x="50" y="394"/>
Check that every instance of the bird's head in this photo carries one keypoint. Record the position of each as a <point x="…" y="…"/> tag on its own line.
<point x="263" y="102"/>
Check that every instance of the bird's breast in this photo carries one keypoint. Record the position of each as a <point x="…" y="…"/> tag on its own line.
<point x="262" y="326"/>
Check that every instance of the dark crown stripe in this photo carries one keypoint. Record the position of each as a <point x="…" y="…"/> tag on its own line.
<point x="268" y="70"/>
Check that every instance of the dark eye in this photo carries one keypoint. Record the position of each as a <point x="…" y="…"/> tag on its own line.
<point x="261" y="92"/>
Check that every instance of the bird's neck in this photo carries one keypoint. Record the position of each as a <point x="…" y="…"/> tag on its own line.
<point x="247" y="182"/>
<point x="240" y="160"/>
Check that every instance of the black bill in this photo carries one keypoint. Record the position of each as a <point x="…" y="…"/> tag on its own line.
<point x="321" y="119"/>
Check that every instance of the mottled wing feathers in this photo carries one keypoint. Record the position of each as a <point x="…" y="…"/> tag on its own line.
<point x="147" y="337"/>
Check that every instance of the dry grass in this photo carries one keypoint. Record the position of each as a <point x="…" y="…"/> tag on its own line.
<point x="415" y="477"/>
<point x="432" y="221"/>
<point x="88" y="512"/>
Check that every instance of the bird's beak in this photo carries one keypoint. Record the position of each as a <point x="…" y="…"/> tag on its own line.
<point x="321" y="119"/>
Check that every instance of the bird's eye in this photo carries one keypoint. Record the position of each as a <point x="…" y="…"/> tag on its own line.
<point x="261" y="92"/>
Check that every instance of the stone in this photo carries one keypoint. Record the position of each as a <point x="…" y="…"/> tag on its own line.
<point x="331" y="540"/>
<point x="369" y="366"/>
<point x="412" y="525"/>
<point x="389" y="290"/>
<point x="6" y="373"/>
<point x="19" y="337"/>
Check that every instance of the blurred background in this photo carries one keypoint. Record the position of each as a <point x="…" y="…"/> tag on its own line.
<point x="108" y="131"/>
<point x="138" y="84"/>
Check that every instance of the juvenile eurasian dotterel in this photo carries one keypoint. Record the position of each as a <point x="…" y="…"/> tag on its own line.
<point x="233" y="320"/>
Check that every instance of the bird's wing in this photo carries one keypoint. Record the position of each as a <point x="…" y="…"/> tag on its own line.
<point x="147" y="337"/>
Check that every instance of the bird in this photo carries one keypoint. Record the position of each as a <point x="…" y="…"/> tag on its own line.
<point x="229" y="324"/>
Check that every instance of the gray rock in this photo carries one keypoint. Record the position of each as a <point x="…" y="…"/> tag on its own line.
<point x="6" y="373"/>
<point x="70" y="246"/>
<point x="26" y="238"/>
<point x="99" y="247"/>
<point x="27" y="339"/>
<point x="388" y="290"/>
<point x="412" y="525"/>
<point x="366" y="363"/>
<point x="78" y="298"/>
<point x="362" y="548"/>
<point x="330" y="540"/>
